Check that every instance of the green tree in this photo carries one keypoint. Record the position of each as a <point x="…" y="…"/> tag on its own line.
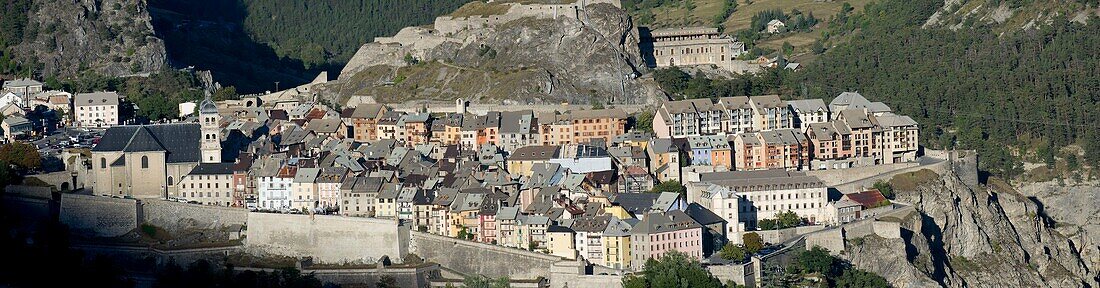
<point x="767" y="224"/>
<point x="886" y="189"/>
<point x="673" y="269"/>
<point x="818" y="260"/>
<point x="643" y="122"/>
<point x="23" y="155"/>
<point x="1092" y="149"/>
<point x="752" y="241"/>
<point x="669" y="186"/>
<point x="732" y="252"/>
<point x="788" y="219"/>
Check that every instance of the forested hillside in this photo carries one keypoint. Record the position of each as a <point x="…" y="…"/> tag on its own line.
<point x="253" y="43"/>
<point x="970" y="88"/>
<point x="1013" y="96"/>
<point x="13" y="20"/>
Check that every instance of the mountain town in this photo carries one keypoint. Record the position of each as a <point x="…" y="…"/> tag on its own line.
<point x="667" y="155"/>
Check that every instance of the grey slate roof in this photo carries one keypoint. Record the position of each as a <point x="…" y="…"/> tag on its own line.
<point x="665" y="222"/>
<point x="212" y="169"/>
<point x="179" y="141"/>
<point x="808" y="105"/>
<point x="306" y="175"/>
<point x="96" y="99"/>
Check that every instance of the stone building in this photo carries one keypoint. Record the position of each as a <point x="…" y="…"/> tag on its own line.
<point x="145" y="161"/>
<point x="96" y="110"/>
<point x="689" y="46"/>
<point x="150" y="161"/>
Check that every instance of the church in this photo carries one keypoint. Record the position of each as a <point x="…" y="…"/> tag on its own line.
<point x="148" y="161"/>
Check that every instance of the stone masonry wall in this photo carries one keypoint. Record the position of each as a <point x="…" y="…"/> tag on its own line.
<point x="98" y="216"/>
<point x="177" y="217"/>
<point x="328" y="239"/>
<point x="472" y="258"/>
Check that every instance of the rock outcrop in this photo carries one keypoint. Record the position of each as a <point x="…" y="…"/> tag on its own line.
<point x="1006" y="15"/>
<point x="979" y="236"/>
<point x="569" y="55"/>
<point x="110" y="37"/>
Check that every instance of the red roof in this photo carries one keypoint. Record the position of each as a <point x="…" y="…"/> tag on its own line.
<point x="870" y="198"/>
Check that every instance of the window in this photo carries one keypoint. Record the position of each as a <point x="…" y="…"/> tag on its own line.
<point x="170" y="181"/>
<point x="103" y="163"/>
<point x="144" y="162"/>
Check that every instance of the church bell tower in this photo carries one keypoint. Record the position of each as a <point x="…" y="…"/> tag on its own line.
<point x="211" y="135"/>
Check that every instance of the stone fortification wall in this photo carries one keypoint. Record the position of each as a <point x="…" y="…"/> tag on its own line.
<point x="178" y="217"/>
<point x="782" y="235"/>
<point x="742" y="274"/>
<point x="573" y="274"/>
<point x="833" y="177"/>
<point x="472" y="258"/>
<point x="98" y="216"/>
<point x="406" y="276"/>
<point x="328" y="239"/>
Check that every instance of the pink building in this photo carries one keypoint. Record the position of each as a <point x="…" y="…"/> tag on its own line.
<point x="659" y="233"/>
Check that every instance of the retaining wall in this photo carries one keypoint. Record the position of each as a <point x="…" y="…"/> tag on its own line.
<point x="782" y="235"/>
<point x="328" y="239"/>
<point x="177" y="217"/>
<point x="98" y="216"/>
<point x="472" y="258"/>
<point x="406" y="277"/>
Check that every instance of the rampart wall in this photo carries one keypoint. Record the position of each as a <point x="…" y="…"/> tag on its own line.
<point x="328" y="239"/>
<point x="98" y="216"/>
<point x="473" y="258"/>
<point x="179" y="217"/>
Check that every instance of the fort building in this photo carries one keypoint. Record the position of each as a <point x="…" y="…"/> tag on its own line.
<point x="689" y="46"/>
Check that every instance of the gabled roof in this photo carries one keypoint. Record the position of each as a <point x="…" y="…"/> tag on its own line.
<point x="325" y="125"/>
<point x="674" y="220"/>
<point x="703" y="215"/>
<point x="180" y="142"/>
<point x="96" y="99"/>
<point x="868" y="199"/>
<point x="367" y="111"/>
<point x="306" y="175"/>
<point x="850" y="99"/>
<point x="856" y="119"/>
<point x="212" y="169"/>
<point x="766" y="101"/>
<point x="808" y="105"/>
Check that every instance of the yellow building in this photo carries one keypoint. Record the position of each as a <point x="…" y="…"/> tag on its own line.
<point x="521" y="160"/>
<point x="559" y="242"/>
<point x="616" y="244"/>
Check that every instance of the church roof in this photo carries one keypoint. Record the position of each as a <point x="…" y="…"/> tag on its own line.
<point x="207" y="106"/>
<point x="180" y="142"/>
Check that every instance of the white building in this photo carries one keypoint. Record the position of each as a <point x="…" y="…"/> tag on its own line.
<point x="208" y="184"/>
<point x="762" y="195"/>
<point x="303" y="193"/>
<point x="274" y="184"/>
<point x="96" y="110"/>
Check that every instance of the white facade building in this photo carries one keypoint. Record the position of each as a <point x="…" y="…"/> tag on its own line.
<point x="96" y="110"/>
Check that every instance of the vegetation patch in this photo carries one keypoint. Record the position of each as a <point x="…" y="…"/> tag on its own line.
<point x="910" y="181"/>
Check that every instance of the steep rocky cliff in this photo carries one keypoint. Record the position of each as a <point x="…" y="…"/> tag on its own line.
<point x="530" y="59"/>
<point x="111" y="37"/>
<point x="984" y="236"/>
